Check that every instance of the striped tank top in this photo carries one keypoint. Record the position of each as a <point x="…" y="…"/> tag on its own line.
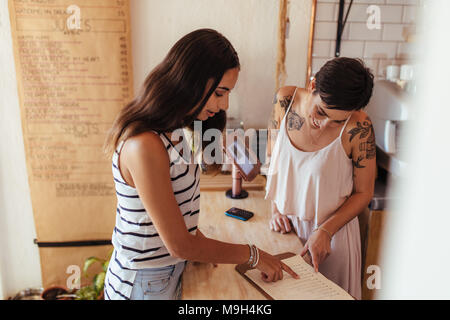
<point x="136" y="242"/>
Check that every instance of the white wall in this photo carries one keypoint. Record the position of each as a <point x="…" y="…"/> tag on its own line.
<point x="250" y="25"/>
<point x="19" y="257"/>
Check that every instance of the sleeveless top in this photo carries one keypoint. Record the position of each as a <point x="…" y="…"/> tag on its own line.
<point x="136" y="242"/>
<point x="309" y="185"/>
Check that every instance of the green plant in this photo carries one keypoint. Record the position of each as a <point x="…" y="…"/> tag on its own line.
<point x="95" y="290"/>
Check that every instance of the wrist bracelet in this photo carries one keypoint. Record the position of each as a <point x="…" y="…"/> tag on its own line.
<point x="326" y="231"/>
<point x="251" y="259"/>
<point x="257" y="257"/>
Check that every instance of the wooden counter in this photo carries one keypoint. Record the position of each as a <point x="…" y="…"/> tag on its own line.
<point x="204" y="281"/>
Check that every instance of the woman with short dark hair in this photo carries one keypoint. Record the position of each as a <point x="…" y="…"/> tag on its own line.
<point x="158" y="193"/>
<point x="323" y="167"/>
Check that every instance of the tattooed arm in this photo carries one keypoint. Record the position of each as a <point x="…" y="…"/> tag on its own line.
<point x="362" y="140"/>
<point x="281" y="102"/>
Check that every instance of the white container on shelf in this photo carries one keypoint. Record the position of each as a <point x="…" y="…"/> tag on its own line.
<point x="407" y="72"/>
<point x="392" y="73"/>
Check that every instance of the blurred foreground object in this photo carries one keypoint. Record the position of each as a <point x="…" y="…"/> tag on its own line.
<point x="416" y="253"/>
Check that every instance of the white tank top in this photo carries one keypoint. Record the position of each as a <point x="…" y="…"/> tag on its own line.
<point x="309" y="185"/>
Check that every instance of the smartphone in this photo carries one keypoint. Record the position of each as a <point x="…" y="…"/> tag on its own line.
<point x="240" y="214"/>
<point x="241" y="155"/>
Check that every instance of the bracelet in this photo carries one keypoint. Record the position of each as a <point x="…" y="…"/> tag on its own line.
<point x="251" y="259"/>
<point x="257" y="257"/>
<point x="326" y="231"/>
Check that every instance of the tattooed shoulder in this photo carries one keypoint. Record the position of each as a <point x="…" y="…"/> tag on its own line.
<point x="362" y="136"/>
<point x="285" y="102"/>
<point x="282" y="100"/>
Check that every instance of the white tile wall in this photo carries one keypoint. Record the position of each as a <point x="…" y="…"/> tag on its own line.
<point x="379" y="47"/>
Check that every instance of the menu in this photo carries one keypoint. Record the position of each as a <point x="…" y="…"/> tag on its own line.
<point x="309" y="286"/>
<point x="74" y="72"/>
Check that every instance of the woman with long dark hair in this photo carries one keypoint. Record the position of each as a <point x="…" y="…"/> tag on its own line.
<point x="158" y="195"/>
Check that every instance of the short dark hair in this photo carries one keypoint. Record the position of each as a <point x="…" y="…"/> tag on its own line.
<point x="345" y="84"/>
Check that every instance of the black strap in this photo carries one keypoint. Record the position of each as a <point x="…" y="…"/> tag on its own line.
<point x="341" y="25"/>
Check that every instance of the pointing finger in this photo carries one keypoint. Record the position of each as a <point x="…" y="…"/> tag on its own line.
<point x="315" y="261"/>
<point x="289" y="270"/>
<point x="304" y="250"/>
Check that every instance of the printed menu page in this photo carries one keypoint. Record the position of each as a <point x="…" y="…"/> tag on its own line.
<point x="310" y="286"/>
<point x="74" y="73"/>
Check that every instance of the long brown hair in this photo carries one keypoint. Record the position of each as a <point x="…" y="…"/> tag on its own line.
<point x="173" y="94"/>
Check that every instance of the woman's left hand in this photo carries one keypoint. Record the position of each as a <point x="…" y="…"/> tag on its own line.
<point x="319" y="247"/>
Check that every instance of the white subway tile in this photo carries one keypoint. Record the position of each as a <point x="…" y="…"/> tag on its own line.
<point x="358" y="13"/>
<point x="382" y="65"/>
<point x="380" y="50"/>
<point x="372" y="64"/>
<point x="332" y="52"/>
<point x="409" y="2"/>
<point x="407" y="51"/>
<point x="392" y="14"/>
<point x="360" y="31"/>
<point x="325" y="31"/>
<point x="394" y="32"/>
<point x="328" y="30"/>
<point x="351" y="49"/>
<point x="369" y="1"/>
<point x="321" y="48"/>
<point x="317" y="63"/>
<point x="409" y="14"/>
<point x="325" y="12"/>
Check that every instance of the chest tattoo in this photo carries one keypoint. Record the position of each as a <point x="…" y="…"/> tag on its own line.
<point x="294" y="121"/>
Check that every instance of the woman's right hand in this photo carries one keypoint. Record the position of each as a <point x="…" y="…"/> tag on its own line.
<point x="272" y="268"/>
<point x="280" y="223"/>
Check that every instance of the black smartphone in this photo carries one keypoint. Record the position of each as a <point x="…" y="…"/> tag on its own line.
<point x="240" y="214"/>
